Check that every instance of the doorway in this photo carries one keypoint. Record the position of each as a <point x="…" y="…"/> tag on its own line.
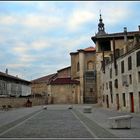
<point x="107" y="101"/>
<point x="117" y="101"/>
<point x="131" y="102"/>
<point x="139" y="101"/>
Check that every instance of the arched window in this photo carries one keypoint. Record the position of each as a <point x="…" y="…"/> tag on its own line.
<point x="90" y="65"/>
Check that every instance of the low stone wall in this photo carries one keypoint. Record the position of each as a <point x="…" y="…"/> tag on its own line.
<point x="20" y="102"/>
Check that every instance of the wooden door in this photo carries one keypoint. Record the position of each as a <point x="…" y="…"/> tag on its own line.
<point x="131" y="102"/>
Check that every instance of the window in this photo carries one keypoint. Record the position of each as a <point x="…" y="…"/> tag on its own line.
<point x="91" y="89"/>
<point x="110" y="85"/>
<point x="130" y="79"/>
<point x="139" y="76"/>
<point x="103" y="98"/>
<point x="111" y="98"/>
<point x="103" y="86"/>
<point x="110" y="72"/>
<point x="90" y="65"/>
<point x="111" y="91"/>
<point x="122" y="66"/>
<point x="78" y="67"/>
<point x="129" y="63"/>
<point x="104" y="45"/>
<point x="138" y="58"/>
<point x="106" y="85"/>
<point x="116" y="70"/>
<point x="117" y="53"/>
<point x="116" y="83"/>
<point x="124" y="101"/>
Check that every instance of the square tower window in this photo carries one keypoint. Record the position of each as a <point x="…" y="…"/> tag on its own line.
<point x="104" y="45"/>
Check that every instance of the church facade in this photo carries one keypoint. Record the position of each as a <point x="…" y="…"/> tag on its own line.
<point x="83" y="69"/>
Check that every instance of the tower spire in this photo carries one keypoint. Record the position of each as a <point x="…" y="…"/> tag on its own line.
<point x="101" y="28"/>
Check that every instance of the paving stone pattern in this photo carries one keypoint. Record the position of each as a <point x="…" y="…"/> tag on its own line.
<point x="51" y="124"/>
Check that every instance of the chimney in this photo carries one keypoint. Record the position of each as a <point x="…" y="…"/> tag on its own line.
<point x="6" y="71"/>
<point x="125" y="34"/>
<point x="139" y="28"/>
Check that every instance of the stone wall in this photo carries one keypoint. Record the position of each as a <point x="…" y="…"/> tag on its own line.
<point x="63" y="73"/>
<point x="65" y="94"/>
<point x="39" y="88"/>
<point x="20" y="102"/>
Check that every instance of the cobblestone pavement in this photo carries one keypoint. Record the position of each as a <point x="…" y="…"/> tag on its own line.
<point x="59" y="122"/>
<point x="12" y="115"/>
<point x="100" y="116"/>
<point x="55" y="122"/>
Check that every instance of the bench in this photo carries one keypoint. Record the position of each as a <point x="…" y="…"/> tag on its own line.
<point x="87" y="109"/>
<point x="120" y="122"/>
<point x="45" y="107"/>
<point x="70" y="107"/>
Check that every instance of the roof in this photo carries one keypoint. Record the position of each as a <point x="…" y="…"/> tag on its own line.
<point x="12" y="77"/>
<point x="89" y="49"/>
<point x="115" y="35"/>
<point x="44" y="78"/>
<point x="59" y="81"/>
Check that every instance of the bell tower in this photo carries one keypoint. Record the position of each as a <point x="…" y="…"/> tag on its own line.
<point x="101" y="28"/>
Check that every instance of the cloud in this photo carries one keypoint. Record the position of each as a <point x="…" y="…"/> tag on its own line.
<point x="80" y="17"/>
<point x="8" y="20"/>
<point x="27" y="58"/>
<point x="40" y="44"/>
<point x="20" y="48"/>
<point x="32" y="22"/>
<point x="17" y="65"/>
<point x="39" y="36"/>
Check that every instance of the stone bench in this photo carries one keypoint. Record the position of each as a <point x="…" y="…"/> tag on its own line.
<point x="45" y="107"/>
<point x="87" y="109"/>
<point x="70" y="107"/>
<point x="120" y="122"/>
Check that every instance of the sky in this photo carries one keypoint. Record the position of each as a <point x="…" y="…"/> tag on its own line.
<point x="36" y="37"/>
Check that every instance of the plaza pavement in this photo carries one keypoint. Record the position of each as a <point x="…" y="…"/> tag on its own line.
<point x="100" y="116"/>
<point x="95" y="124"/>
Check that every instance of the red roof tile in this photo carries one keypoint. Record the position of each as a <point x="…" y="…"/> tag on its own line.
<point x="89" y="49"/>
<point x="64" y="81"/>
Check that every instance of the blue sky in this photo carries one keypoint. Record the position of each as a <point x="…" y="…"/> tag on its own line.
<point x="36" y="38"/>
